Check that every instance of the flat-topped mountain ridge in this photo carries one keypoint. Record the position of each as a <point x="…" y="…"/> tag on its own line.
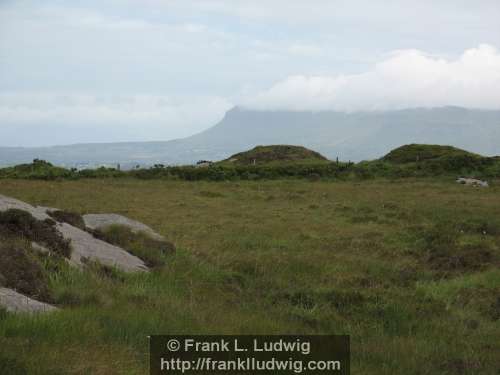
<point x="351" y="136"/>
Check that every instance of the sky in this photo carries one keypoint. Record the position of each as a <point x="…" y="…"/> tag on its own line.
<point x="139" y="70"/>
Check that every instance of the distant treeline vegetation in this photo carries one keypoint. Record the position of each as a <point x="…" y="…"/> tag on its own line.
<point x="405" y="161"/>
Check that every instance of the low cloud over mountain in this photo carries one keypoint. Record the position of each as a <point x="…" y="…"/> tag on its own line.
<point x="408" y="78"/>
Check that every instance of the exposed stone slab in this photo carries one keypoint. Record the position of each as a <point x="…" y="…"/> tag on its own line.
<point x="88" y="247"/>
<point x="7" y="203"/>
<point x="16" y="302"/>
<point x="84" y="244"/>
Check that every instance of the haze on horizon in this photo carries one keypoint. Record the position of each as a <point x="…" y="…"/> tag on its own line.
<point x="130" y="70"/>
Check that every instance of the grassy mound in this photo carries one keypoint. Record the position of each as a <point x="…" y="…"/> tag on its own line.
<point x="418" y="152"/>
<point x="15" y="223"/>
<point x="140" y="244"/>
<point x="276" y="153"/>
<point x="38" y="169"/>
<point x="433" y="160"/>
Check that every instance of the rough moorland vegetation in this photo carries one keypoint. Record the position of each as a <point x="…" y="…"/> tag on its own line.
<point x="152" y="251"/>
<point x="15" y="223"/>
<point x="276" y="162"/>
<point x="71" y="218"/>
<point x="33" y="250"/>
<point x="21" y="269"/>
<point x="409" y="268"/>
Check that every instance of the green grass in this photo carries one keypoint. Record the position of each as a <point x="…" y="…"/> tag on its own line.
<point x="421" y="152"/>
<point x="152" y="251"/>
<point x="289" y="162"/>
<point x="38" y="169"/>
<point x="275" y="154"/>
<point x="283" y="256"/>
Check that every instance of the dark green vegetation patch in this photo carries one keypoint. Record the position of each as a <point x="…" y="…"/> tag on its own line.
<point x="444" y="250"/>
<point x="152" y="251"/>
<point x="16" y="223"/>
<point x="71" y="218"/>
<point x="21" y="270"/>
<point x="37" y="170"/>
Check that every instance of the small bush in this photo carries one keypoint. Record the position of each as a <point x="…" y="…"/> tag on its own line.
<point x="18" y="223"/>
<point x="69" y="217"/>
<point x="19" y="270"/>
<point x="140" y="244"/>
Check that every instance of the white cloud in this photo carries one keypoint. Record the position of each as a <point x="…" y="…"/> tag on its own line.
<point x="191" y="54"/>
<point x="76" y="118"/>
<point x="407" y="78"/>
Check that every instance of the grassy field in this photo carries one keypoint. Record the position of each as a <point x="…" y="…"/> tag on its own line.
<point x="408" y="268"/>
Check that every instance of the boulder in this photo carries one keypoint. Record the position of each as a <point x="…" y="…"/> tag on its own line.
<point x="472" y="182"/>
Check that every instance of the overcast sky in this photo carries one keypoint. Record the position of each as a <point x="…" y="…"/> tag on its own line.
<point x="122" y="70"/>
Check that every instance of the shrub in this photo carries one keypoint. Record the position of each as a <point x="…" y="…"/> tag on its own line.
<point x="18" y="223"/>
<point x="69" y="217"/>
<point x="20" y="270"/>
<point x="140" y="244"/>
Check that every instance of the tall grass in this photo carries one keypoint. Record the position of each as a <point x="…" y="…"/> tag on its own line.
<point x="277" y="257"/>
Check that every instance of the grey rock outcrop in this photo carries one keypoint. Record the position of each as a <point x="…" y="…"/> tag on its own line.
<point x="85" y="246"/>
<point x="16" y="302"/>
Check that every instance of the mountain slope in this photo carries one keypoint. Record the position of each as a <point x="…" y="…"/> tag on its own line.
<point x="349" y="136"/>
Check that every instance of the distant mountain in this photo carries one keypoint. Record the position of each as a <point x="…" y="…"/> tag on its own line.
<point x="350" y="136"/>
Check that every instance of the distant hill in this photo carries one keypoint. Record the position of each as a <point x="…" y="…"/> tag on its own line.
<point x="286" y="161"/>
<point x="38" y="169"/>
<point x="418" y="153"/>
<point x="349" y="136"/>
<point x="436" y="160"/>
<point x="276" y="154"/>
